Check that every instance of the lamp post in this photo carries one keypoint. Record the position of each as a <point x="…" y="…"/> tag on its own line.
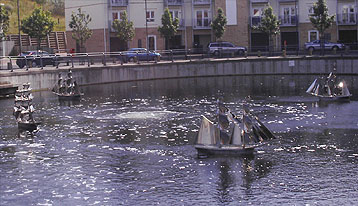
<point x="18" y="21"/>
<point x="2" y="38"/>
<point x="146" y="26"/>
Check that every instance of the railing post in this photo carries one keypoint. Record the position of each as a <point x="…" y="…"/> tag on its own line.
<point x="189" y="55"/>
<point x="171" y="55"/>
<point x="104" y="59"/>
<point x="137" y="58"/>
<point x="88" y="60"/>
<point x="72" y="61"/>
<point x="41" y="63"/>
<point x="9" y="65"/>
<point x="56" y="61"/>
<point x="121" y="57"/>
<point x="26" y="64"/>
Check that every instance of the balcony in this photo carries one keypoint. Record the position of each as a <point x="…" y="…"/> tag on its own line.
<point x="202" y="2"/>
<point x="181" y="24"/>
<point x="255" y="20"/>
<point x="202" y="23"/>
<point x="288" y="20"/>
<point x="119" y="2"/>
<point x="347" y="19"/>
<point x="174" y="2"/>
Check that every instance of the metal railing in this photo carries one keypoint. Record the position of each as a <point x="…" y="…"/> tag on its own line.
<point x="119" y="2"/>
<point x="288" y="20"/>
<point x="12" y="63"/>
<point x="201" y="2"/>
<point x="174" y="2"/>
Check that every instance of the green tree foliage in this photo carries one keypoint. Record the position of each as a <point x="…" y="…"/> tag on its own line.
<point x="38" y="25"/>
<point x="320" y="19"/>
<point x="269" y="24"/>
<point x="80" y="30"/>
<point x="123" y="28"/>
<point x="219" y="23"/>
<point x="169" y="27"/>
<point x="4" y="21"/>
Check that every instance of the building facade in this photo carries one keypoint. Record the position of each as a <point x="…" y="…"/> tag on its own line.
<point x="195" y="17"/>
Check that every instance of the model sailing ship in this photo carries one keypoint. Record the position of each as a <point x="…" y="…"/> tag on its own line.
<point x="67" y="88"/>
<point x="23" y="109"/>
<point x="232" y="135"/>
<point x="329" y="89"/>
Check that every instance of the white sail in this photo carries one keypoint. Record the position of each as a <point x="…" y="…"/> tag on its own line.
<point x="345" y="90"/>
<point x="237" y="135"/>
<point x="207" y="135"/>
<point x="309" y="90"/>
<point x="329" y="91"/>
<point x="316" y="90"/>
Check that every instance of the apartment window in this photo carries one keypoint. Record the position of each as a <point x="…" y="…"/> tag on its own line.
<point x="256" y="15"/>
<point x="175" y="14"/>
<point x="348" y="14"/>
<point x="202" y="18"/>
<point x="117" y="15"/>
<point x="312" y="35"/>
<point x="310" y="10"/>
<point x="288" y="15"/>
<point x="150" y="16"/>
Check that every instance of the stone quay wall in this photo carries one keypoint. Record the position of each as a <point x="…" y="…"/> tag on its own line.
<point x="99" y="74"/>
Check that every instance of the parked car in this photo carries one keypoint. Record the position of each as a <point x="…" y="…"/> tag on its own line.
<point x="316" y="45"/>
<point x="141" y="54"/>
<point x="217" y="48"/>
<point x="34" y="58"/>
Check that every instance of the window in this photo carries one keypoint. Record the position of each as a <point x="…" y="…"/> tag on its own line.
<point x="310" y="10"/>
<point x="175" y="14"/>
<point x="348" y="14"/>
<point x="117" y="15"/>
<point x="202" y="18"/>
<point x="312" y="35"/>
<point x="150" y="16"/>
<point x="288" y="15"/>
<point x="256" y="15"/>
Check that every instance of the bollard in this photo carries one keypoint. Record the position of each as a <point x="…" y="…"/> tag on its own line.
<point x="284" y="52"/>
<point x="259" y="53"/>
<point x="335" y="50"/>
<point x="310" y="51"/>
<point x="72" y="61"/>
<point x="104" y="59"/>
<point x="88" y="60"/>
<point x="136" y="59"/>
<point x="245" y="53"/>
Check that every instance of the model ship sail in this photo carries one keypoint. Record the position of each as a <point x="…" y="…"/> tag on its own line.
<point x="67" y="88"/>
<point x="329" y="88"/>
<point x="232" y="134"/>
<point x="23" y="108"/>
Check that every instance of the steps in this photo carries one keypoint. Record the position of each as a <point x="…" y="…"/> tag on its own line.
<point x="55" y="40"/>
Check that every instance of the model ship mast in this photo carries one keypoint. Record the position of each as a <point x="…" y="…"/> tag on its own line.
<point x="67" y="88"/>
<point x="23" y="108"/>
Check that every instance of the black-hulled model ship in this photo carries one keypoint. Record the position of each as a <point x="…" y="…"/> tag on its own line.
<point x="233" y="135"/>
<point x="67" y="88"/>
<point x="329" y="89"/>
<point x="23" y="109"/>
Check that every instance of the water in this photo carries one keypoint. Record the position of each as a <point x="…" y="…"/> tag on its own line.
<point x="132" y="144"/>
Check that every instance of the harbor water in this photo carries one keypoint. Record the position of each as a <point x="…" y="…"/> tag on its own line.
<point x="133" y="144"/>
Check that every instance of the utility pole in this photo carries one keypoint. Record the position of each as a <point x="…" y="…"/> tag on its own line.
<point x="18" y="21"/>
<point x="146" y="26"/>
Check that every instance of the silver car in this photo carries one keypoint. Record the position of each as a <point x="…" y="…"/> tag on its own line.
<point x="316" y="45"/>
<point x="217" y="48"/>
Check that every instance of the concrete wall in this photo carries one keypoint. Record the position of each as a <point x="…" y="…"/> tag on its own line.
<point x="45" y="79"/>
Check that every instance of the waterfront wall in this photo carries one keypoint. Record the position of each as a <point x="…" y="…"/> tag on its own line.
<point x="97" y="74"/>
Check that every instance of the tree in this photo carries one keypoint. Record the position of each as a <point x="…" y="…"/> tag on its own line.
<point x="124" y="29"/>
<point x="80" y="30"/>
<point x="38" y="25"/>
<point x="321" y="20"/>
<point x="4" y="21"/>
<point x="269" y="24"/>
<point x="219" y="23"/>
<point x="169" y="27"/>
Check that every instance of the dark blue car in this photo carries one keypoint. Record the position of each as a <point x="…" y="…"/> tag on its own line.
<point x="141" y="54"/>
